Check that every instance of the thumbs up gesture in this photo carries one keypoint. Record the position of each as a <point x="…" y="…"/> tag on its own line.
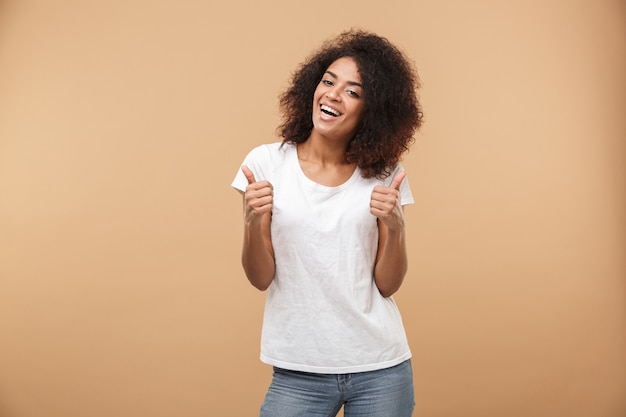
<point x="385" y="203"/>
<point x="259" y="196"/>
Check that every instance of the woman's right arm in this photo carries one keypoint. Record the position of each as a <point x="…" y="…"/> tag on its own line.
<point x="257" y="256"/>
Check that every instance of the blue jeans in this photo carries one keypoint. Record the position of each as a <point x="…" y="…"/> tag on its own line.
<point x="382" y="393"/>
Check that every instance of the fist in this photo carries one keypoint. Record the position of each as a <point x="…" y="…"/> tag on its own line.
<point x="385" y="203"/>
<point x="259" y="195"/>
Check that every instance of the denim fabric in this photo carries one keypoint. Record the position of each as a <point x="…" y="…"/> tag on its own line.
<point x="382" y="393"/>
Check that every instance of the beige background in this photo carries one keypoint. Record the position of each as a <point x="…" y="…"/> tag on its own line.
<point x="123" y="122"/>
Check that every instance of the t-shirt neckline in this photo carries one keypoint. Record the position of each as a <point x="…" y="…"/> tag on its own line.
<point x="316" y="185"/>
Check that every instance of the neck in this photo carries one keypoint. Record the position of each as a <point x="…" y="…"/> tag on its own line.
<point x="322" y="150"/>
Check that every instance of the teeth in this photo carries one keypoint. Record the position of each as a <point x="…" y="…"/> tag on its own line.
<point x="330" y="110"/>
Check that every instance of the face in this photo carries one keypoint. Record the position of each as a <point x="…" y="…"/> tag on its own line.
<point x="338" y="101"/>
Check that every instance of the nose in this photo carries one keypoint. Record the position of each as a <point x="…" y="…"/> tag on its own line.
<point x="333" y="94"/>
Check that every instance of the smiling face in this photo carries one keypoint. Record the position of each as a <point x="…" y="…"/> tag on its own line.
<point x="338" y="101"/>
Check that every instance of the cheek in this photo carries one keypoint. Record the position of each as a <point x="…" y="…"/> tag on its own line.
<point x="316" y="98"/>
<point x="358" y="112"/>
<point x="318" y="92"/>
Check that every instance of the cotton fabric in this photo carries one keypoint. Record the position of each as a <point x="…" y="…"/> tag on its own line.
<point x="323" y="311"/>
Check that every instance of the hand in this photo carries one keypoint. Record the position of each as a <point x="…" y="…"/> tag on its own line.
<point x="385" y="203"/>
<point x="259" y="196"/>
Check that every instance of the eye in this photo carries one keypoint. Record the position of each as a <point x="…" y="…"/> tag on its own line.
<point x="353" y="93"/>
<point x="327" y="82"/>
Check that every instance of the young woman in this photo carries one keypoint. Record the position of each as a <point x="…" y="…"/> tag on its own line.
<point x="324" y="233"/>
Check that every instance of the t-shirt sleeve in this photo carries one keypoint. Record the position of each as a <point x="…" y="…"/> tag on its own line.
<point x="406" y="196"/>
<point x="240" y="182"/>
<point x="256" y="160"/>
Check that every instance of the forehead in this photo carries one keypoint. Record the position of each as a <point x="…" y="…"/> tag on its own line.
<point x="345" y="67"/>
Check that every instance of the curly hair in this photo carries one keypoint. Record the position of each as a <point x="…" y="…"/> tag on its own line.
<point x="392" y="112"/>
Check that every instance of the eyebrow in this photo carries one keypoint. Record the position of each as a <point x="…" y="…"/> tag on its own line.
<point x="347" y="82"/>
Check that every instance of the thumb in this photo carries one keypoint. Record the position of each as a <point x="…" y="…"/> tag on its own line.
<point x="249" y="175"/>
<point x="395" y="184"/>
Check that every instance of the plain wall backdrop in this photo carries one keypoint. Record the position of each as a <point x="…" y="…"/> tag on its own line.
<point x="122" y="124"/>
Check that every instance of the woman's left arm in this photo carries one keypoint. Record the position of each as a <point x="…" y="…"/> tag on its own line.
<point x="391" y="258"/>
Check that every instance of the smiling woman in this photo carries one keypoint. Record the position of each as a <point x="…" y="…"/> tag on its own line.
<point x="324" y="233"/>
<point x="337" y="102"/>
<point x="121" y="126"/>
<point x="387" y="82"/>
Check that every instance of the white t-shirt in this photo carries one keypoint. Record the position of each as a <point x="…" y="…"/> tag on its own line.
<point x="323" y="311"/>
